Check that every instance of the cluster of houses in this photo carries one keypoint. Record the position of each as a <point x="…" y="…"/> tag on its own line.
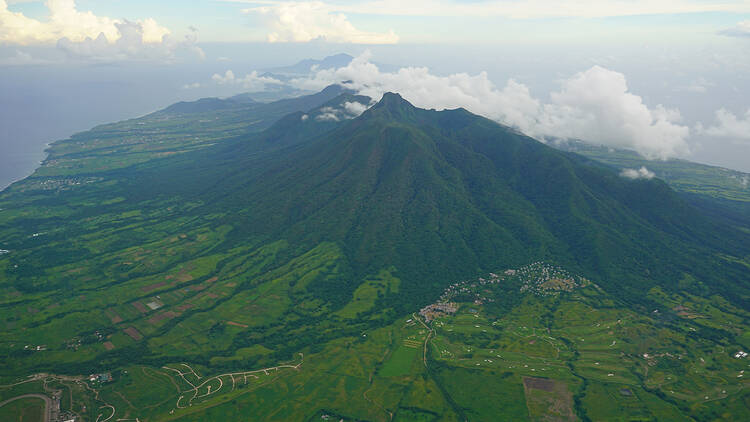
<point x="546" y="280"/>
<point x="740" y="354"/>
<point x="437" y="310"/>
<point x="538" y="278"/>
<point x="471" y="288"/>
<point x="58" y="184"/>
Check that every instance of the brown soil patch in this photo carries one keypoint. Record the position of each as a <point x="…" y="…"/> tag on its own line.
<point x="141" y="307"/>
<point x="184" y="307"/>
<point x="212" y="279"/>
<point x="162" y="316"/>
<point x="116" y="319"/>
<point x="133" y="333"/>
<point x="108" y="345"/>
<point x="539" y="384"/>
<point x="237" y="324"/>
<point x="152" y="287"/>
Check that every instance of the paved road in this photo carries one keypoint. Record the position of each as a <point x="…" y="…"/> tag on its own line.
<point x="47" y="404"/>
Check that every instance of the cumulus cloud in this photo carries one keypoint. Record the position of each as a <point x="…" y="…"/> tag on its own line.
<point x="251" y="81"/>
<point x="86" y="35"/>
<point x="641" y="173"/>
<point x="308" y="21"/>
<point x="65" y="21"/>
<point x="742" y="29"/>
<point x="729" y="125"/>
<point x="595" y="105"/>
<point x="131" y="44"/>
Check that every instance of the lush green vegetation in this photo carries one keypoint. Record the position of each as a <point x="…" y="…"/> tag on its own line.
<point x="221" y="260"/>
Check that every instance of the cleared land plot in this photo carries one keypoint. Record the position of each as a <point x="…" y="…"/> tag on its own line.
<point x="548" y="400"/>
<point x="133" y="333"/>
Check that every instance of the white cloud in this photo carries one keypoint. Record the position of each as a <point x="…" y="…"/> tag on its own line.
<point x="742" y="29"/>
<point x="65" y="21"/>
<point x="195" y="85"/>
<point x="88" y="36"/>
<point x="594" y="105"/>
<point x="251" y="81"/>
<point x="729" y="125"/>
<point x="354" y="108"/>
<point x="131" y="44"/>
<point x="328" y="114"/>
<point x="308" y="21"/>
<point x="349" y="110"/>
<point x="524" y="9"/>
<point x="641" y="173"/>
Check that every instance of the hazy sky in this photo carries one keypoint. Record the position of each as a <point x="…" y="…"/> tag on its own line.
<point x="668" y="78"/>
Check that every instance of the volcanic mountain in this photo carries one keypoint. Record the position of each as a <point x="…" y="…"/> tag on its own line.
<point x="441" y="195"/>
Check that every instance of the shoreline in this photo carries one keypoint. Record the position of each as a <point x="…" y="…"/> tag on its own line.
<point x="6" y="185"/>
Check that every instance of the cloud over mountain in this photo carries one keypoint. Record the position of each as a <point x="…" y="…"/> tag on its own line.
<point x="595" y="105"/>
<point x="641" y="173"/>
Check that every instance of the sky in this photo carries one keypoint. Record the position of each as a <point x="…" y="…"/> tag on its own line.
<point x="667" y="78"/>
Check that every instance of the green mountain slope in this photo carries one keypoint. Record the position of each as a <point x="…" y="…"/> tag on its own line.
<point x="280" y="273"/>
<point x="719" y="192"/>
<point x="445" y="195"/>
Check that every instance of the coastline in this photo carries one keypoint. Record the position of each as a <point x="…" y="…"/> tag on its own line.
<point x="39" y="157"/>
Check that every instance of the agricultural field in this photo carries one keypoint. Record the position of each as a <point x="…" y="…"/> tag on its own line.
<point x="554" y="354"/>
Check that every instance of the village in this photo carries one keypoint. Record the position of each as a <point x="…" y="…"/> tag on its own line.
<point x="539" y="278"/>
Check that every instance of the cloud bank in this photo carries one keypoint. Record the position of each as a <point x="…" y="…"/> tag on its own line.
<point x="308" y="21"/>
<point x="595" y="105"/>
